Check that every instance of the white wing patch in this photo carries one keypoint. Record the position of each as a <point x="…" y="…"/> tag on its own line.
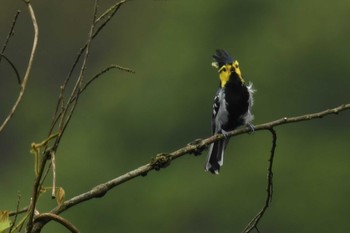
<point x="249" y="117"/>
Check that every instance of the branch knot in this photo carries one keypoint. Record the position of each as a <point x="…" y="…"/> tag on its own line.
<point x="161" y="160"/>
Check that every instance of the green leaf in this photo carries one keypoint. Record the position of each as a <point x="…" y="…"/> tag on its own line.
<point x="5" y="222"/>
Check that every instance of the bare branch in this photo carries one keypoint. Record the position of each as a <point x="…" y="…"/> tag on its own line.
<point x="112" y="9"/>
<point x="21" y="211"/>
<point x="13" y="67"/>
<point x="29" y="67"/>
<point x="103" y="72"/>
<point x="10" y="33"/>
<point x="17" y="211"/>
<point x="253" y="224"/>
<point x="110" y="13"/>
<point x="56" y="218"/>
<point x="163" y="160"/>
<point x="78" y="84"/>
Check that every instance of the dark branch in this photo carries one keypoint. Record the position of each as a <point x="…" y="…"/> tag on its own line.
<point x="13" y="67"/>
<point x="17" y="212"/>
<point x="104" y="71"/>
<point x="10" y="33"/>
<point x="253" y="224"/>
<point x="56" y="218"/>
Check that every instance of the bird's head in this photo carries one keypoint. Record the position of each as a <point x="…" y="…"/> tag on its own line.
<point x="227" y="67"/>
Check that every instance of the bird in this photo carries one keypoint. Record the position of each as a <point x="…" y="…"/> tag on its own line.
<point x="232" y="106"/>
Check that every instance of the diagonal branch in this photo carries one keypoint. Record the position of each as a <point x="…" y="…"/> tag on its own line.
<point x="29" y="67"/>
<point x="13" y="67"/>
<point x="196" y="147"/>
<point x="10" y="33"/>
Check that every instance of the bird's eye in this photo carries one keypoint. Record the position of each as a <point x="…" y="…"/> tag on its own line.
<point x="224" y="69"/>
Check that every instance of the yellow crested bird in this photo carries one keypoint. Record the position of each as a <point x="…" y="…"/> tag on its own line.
<point x="232" y="106"/>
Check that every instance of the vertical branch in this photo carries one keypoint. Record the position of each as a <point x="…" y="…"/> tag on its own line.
<point x="253" y="224"/>
<point x="29" y="67"/>
<point x="17" y="211"/>
<point x="62" y="105"/>
<point x="78" y="85"/>
<point x="62" y="125"/>
<point x="53" y="162"/>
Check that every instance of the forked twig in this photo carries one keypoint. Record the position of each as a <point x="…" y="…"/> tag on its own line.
<point x="29" y="67"/>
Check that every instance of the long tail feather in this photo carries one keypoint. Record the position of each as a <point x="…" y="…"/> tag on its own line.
<point x="215" y="156"/>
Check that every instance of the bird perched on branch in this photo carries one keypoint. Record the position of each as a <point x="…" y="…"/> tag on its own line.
<point x="232" y="106"/>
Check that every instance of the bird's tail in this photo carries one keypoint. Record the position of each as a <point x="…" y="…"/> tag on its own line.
<point x="216" y="156"/>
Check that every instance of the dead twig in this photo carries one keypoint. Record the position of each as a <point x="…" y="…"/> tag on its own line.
<point x="13" y="67"/>
<point x="11" y="32"/>
<point x="253" y="224"/>
<point x="29" y="66"/>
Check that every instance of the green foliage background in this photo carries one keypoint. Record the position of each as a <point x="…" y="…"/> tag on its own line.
<point x="295" y="52"/>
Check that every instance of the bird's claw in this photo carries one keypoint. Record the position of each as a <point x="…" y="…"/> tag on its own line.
<point x="251" y="128"/>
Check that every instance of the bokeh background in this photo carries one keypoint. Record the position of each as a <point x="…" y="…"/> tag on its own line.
<point x="295" y="52"/>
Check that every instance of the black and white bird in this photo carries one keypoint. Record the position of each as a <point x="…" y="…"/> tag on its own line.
<point x="232" y="106"/>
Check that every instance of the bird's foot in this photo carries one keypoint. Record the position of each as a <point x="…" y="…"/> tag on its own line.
<point x="224" y="133"/>
<point x="251" y="128"/>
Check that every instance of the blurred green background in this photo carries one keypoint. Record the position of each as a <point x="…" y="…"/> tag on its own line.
<point x="295" y="52"/>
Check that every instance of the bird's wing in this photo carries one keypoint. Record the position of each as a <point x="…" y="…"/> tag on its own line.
<point x="216" y="107"/>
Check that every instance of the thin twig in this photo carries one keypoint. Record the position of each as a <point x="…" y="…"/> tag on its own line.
<point x="104" y="71"/>
<point x="56" y="218"/>
<point x="109" y="10"/>
<point x="10" y="33"/>
<point x="17" y="212"/>
<point x="196" y="147"/>
<point x="61" y="102"/>
<point x="21" y="211"/>
<point x="13" y="67"/>
<point x="79" y="83"/>
<point x="29" y="67"/>
<point x="253" y="224"/>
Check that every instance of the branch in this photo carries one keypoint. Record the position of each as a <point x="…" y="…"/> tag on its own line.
<point x="60" y="103"/>
<point x="196" y="147"/>
<point x="29" y="67"/>
<point x="253" y="224"/>
<point x="63" y="123"/>
<point x="10" y="33"/>
<point x="59" y="219"/>
<point x="17" y="212"/>
<point x="104" y="71"/>
<point x="13" y="67"/>
<point x="65" y="108"/>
